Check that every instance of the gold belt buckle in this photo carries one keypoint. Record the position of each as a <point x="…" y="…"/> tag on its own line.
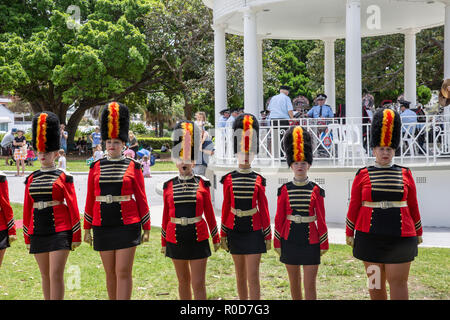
<point x="184" y="221"/>
<point x="41" y="205"/>
<point x="109" y="199"/>
<point x="385" y="205"/>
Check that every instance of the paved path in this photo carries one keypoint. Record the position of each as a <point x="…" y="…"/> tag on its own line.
<point x="433" y="237"/>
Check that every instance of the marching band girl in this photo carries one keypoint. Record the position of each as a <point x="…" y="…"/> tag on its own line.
<point x="301" y="235"/>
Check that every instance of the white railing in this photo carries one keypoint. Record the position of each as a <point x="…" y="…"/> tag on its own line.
<point x="342" y="141"/>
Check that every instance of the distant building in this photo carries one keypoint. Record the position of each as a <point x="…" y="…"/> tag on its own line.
<point x="6" y="118"/>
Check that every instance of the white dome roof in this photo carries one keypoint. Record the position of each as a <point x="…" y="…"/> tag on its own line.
<point x="320" y="19"/>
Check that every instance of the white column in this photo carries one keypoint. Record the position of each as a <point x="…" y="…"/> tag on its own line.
<point x="260" y="76"/>
<point x="447" y="42"/>
<point x="250" y="62"/>
<point x="353" y="69"/>
<point x="410" y="67"/>
<point x="220" y="71"/>
<point x="329" y="73"/>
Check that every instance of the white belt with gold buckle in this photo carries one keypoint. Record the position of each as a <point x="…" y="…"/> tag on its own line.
<point x="301" y="219"/>
<point x="184" y="221"/>
<point x="385" y="204"/>
<point x="244" y="213"/>
<point x="45" y="204"/>
<point x="110" y="198"/>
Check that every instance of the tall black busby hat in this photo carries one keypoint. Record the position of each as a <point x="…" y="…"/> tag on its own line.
<point x="386" y="129"/>
<point x="46" y="132"/>
<point x="186" y="140"/>
<point x="115" y="122"/>
<point x="297" y="145"/>
<point x="246" y="134"/>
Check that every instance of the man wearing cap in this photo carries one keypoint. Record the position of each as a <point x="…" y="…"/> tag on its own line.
<point x="409" y="120"/>
<point x="224" y="115"/>
<point x="281" y="111"/>
<point x="280" y="106"/>
<point x="321" y="110"/>
<point x="6" y="144"/>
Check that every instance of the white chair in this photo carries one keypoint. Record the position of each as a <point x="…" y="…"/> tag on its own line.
<point x="353" y="143"/>
<point x="408" y="137"/>
<point x="338" y="142"/>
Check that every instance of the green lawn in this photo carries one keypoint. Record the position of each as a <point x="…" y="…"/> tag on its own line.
<point x="340" y="275"/>
<point x="80" y="166"/>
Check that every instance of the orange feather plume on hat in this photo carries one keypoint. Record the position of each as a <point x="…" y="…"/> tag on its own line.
<point x="387" y="128"/>
<point x="298" y="143"/>
<point x="113" y="120"/>
<point x="247" y="134"/>
<point x="41" y="132"/>
<point x="187" y="140"/>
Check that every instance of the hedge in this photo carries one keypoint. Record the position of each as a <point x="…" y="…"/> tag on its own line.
<point x="155" y="143"/>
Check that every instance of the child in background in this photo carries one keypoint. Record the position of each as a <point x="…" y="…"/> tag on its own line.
<point x="31" y="157"/>
<point x="98" y="154"/>
<point x="145" y="162"/>
<point x="61" y="160"/>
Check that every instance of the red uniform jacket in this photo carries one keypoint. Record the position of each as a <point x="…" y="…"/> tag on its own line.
<point x="54" y="185"/>
<point x="245" y="191"/>
<point x="117" y="178"/>
<point x="188" y="198"/>
<point x="305" y="199"/>
<point x="384" y="184"/>
<point x="6" y="213"/>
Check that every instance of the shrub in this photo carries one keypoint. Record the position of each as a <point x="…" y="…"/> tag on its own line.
<point x="155" y="143"/>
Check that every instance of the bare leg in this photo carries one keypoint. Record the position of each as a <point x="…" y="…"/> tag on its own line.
<point x="43" y="262"/>
<point x="397" y="277"/>
<point x="184" y="278"/>
<point x="252" y="262"/>
<point x="124" y="273"/>
<point x="295" y="282"/>
<point x="2" y="253"/>
<point x="109" y="264"/>
<point x="58" y="261"/>
<point x="309" y="280"/>
<point x="377" y="280"/>
<point x="241" y="275"/>
<point x="198" y="278"/>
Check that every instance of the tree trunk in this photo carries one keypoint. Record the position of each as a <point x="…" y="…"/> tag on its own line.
<point x="75" y="119"/>
<point x="161" y="128"/>
<point x="187" y="106"/>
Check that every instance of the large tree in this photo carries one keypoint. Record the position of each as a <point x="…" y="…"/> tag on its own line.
<point x="53" y="65"/>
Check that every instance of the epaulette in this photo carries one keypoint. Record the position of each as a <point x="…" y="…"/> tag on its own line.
<point x="279" y="190"/>
<point x="26" y="179"/>
<point x="263" y="180"/>
<point x="222" y="180"/>
<point x="167" y="182"/>
<point x="2" y="177"/>
<point x="359" y="170"/>
<point x="321" y="191"/>
<point x="137" y="164"/>
<point x="205" y="180"/>
<point x="69" y="177"/>
<point x="94" y="162"/>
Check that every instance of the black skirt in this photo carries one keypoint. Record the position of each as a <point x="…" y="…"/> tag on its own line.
<point x="246" y="242"/>
<point x="115" y="238"/>
<point x="188" y="250"/>
<point x="384" y="248"/>
<point x="51" y="242"/>
<point x="296" y="254"/>
<point x="4" y="239"/>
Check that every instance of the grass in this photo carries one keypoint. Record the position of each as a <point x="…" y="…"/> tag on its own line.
<point x="80" y="166"/>
<point x="341" y="276"/>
